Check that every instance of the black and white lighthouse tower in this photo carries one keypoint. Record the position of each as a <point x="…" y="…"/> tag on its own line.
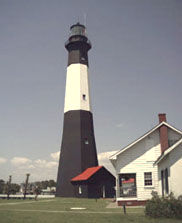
<point x="78" y="149"/>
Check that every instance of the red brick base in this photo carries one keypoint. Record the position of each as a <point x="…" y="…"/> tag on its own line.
<point x="131" y="203"/>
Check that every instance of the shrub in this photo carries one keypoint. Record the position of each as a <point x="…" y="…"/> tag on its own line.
<point x="167" y="206"/>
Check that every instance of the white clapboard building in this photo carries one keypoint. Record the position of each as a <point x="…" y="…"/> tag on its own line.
<point x="151" y="163"/>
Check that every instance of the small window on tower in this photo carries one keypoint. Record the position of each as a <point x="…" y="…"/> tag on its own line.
<point x="84" y="97"/>
<point x="86" y="141"/>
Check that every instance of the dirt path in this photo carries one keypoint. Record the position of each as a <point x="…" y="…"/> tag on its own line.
<point x="25" y="202"/>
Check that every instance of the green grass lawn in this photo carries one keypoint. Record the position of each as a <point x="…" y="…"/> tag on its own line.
<point x="59" y="210"/>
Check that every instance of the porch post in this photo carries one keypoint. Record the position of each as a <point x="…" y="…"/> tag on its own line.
<point x="117" y="186"/>
<point x="103" y="191"/>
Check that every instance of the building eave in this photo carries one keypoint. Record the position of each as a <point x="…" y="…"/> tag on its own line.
<point x="166" y="152"/>
<point x="114" y="156"/>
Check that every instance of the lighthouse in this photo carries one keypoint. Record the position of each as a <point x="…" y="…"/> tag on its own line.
<point x="78" y="148"/>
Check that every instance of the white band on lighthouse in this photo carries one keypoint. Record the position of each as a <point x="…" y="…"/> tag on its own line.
<point x="77" y="95"/>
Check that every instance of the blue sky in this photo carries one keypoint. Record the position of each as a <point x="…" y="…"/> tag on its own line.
<point x="135" y="73"/>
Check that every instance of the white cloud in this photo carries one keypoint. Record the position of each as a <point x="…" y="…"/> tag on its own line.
<point x="51" y="164"/>
<point x="119" y="125"/>
<point x="40" y="163"/>
<point x="2" y="160"/>
<point x="39" y="169"/>
<point x="19" y="161"/>
<point x="103" y="159"/>
<point x="45" y="164"/>
<point x="42" y="169"/>
<point x="31" y="167"/>
<point x="55" y="156"/>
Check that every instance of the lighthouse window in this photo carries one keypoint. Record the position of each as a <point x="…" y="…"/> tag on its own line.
<point x="84" y="96"/>
<point x="86" y="142"/>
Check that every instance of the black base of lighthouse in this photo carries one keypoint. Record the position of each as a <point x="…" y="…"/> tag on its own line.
<point x="78" y="150"/>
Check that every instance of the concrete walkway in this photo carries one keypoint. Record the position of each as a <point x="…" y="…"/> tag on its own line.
<point x="112" y="205"/>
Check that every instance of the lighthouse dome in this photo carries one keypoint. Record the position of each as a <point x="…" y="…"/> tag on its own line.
<point x="78" y="39"/>
<point x="77" y="29"/>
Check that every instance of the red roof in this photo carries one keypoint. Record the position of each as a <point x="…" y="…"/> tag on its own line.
<point x="85" y="175"/>
<point x="131" y="180"/>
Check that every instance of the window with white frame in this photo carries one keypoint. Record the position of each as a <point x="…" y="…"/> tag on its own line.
<point x="148" y="178"/>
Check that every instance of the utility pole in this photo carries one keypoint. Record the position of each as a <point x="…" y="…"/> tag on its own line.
<point x="8" y="186"/>
<point x="26" y="185"/>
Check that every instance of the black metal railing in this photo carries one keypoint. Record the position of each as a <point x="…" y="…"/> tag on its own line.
<point x="78" y="38"/>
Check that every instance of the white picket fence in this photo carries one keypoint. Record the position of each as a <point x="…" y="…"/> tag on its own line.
<point x="28" y="196"/>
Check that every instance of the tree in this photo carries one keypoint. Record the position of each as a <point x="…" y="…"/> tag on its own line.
<point x="14" y="188"/>
<point x="11" y="189"/>
<point x="2" y="184"/>
<point x="46" y="183"/>
<point x="52" y="183"/>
